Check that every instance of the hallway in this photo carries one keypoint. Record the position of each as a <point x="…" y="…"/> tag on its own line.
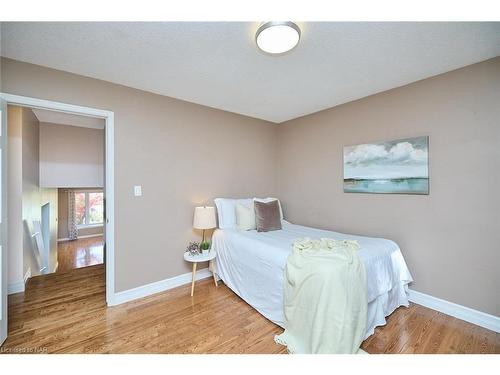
<point x="80" y="253"/>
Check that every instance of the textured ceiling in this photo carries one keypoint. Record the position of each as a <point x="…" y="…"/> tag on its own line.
<point x="217" y="63"/>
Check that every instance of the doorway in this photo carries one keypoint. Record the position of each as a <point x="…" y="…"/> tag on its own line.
<point x="108" y="188"/>
<point x="86" y="247"/>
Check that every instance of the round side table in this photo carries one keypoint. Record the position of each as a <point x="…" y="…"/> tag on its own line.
<point x="195" y="259"/>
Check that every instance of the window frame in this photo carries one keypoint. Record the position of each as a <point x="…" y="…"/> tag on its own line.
<point x="87" y="192"/>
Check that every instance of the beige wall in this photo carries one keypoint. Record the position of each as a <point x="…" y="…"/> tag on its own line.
<point x="71" y="156"/>
<point x="181" y="153"/>
<point x="31" y="186"/>
<point x="15" y="194"/>
<point x="185" y="154"/>
<point x="450" y="238"/>
<point x="26" y="198"/>
<point x="63" y="218"/>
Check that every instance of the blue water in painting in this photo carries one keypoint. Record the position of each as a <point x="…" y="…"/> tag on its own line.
<point x="397" y="186"/>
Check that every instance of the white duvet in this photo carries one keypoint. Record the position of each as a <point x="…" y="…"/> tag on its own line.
<point x="252" y="265"/>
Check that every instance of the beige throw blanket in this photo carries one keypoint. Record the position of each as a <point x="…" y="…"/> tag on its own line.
<point x="325" y="297"/>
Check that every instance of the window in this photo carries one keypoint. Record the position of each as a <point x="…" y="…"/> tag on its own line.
<point x="89" y="208"/>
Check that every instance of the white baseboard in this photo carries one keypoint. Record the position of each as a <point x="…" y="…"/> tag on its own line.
<point x="458" y="311"/>
<point x="157" y="287"/>
<point x="79" y="237"/>
<point x="18" y="286"/>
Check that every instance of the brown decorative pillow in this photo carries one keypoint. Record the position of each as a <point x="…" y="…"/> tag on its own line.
<point x="267" y="216"/>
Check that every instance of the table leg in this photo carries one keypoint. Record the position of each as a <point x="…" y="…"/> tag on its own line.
<point x="211" y="267"/>
<point x="194" y="276"/>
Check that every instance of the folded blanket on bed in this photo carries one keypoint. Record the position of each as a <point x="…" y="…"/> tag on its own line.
<point x="325" y="297"/>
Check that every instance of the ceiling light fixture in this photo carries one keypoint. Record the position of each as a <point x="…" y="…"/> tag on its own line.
<point x="277" y="37"/>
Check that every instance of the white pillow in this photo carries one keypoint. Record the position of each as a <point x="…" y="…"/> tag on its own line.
<point x="245" y="217"/>
<point x="226" y="211"/>
<point x="267" y="200"/>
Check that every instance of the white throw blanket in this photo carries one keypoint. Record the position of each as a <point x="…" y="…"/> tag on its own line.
<point x="325" y="298"/>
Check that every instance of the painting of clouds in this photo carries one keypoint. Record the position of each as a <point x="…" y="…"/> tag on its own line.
<point x="399" y="167"/>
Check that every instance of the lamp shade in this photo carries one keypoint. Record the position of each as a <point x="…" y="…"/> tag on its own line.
<point x="204" y="218"/>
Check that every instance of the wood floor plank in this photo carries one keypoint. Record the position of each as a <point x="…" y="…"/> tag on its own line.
<point x="81" y="253"/>
<point x="67" y="313"/>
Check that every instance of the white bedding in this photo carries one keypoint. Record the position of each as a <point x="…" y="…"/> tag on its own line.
<point x="252" y="265"/>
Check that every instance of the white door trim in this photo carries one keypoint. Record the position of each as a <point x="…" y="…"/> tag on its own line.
<point x="3" y="222"/>
<point x="108" y="116"/>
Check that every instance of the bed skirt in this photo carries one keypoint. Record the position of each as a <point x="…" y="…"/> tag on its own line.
<point x="384" y="305"/>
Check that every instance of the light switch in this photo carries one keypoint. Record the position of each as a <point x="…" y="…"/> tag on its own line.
<point x="138" y="190"/>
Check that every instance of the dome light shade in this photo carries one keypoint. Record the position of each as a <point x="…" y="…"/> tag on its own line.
<point x="277" y="37"/>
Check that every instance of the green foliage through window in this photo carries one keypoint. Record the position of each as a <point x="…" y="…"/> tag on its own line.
<point x="89" y="208"/>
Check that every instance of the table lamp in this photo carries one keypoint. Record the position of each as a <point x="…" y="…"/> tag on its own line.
<point x="204" y="218"/>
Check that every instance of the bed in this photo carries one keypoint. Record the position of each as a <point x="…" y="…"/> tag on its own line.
<point x="252" y="265"/>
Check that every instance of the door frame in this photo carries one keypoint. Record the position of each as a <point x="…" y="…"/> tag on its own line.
<point x="3" y="221"/>
<point x="109" y="184"/>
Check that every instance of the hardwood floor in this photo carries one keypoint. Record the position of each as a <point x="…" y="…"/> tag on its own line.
<point x="67" y="313"/>
<point x="80" y="253"/>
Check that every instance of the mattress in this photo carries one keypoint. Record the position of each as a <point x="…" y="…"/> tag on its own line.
<point x="252" y="264"/>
